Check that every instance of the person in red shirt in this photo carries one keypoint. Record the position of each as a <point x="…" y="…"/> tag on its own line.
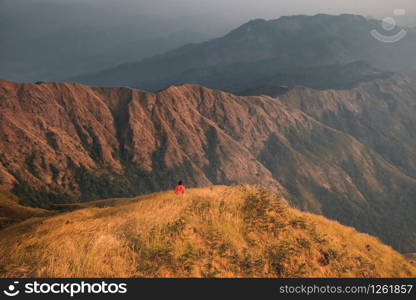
<point x="180" y="189"/>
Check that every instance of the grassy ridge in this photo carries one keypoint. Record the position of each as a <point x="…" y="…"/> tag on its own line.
<point x="210" y="232"/>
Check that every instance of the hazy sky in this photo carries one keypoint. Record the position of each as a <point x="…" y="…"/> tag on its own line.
<point x="248" y="9"/>
<point x="236" y="12"/>
<point x="260" y="8"/>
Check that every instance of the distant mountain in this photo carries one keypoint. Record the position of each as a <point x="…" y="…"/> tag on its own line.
<point x="262" y="49"/>
<point x="344" y="76"/>
<point x="72" y="54"/>
<point x="347" y="154"/>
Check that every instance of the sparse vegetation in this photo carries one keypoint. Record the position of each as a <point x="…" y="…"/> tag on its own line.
<point x="210" y="232"/>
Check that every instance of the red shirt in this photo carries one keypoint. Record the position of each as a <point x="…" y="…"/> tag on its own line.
<point x="180" y="189"/>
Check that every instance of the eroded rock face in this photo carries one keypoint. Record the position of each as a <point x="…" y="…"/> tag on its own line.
<point x="329" y="152"/>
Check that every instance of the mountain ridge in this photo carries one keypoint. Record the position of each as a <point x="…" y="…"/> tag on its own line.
<point x="261" y="49"/>
<point x="65" y="142"/>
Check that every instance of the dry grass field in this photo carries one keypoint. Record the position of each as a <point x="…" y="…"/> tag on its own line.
<point x="215" y="231"/>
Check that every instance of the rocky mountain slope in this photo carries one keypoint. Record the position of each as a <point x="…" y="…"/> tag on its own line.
<point x="216" y="231"/>
<point x="348" y="154"/>
<point x="261" y="50"/>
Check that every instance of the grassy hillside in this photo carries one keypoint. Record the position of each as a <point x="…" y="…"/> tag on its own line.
<point x="11" y="211"/>
<point x="210" y="232"/>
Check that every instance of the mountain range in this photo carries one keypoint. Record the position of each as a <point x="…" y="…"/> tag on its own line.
<point x="347" y="154"/>
<point x="312" y="108"/>
<point x="261" y="50"/>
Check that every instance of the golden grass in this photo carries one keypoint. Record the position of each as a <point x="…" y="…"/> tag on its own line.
<point x="209" y="232"/>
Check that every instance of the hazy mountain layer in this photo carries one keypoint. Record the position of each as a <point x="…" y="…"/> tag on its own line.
<point x="53" y="40"/>
<point x="260" y="50"/>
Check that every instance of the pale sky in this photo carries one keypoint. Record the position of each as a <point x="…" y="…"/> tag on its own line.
<point x="269" y="9"/>
<point x="237" y="12"/>
<point x="260" y="8"/>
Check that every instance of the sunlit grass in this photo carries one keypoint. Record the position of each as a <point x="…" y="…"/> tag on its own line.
<point x="209" y="232"/>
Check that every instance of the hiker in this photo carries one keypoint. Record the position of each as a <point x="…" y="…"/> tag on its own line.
<point x="180" y="189"/>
